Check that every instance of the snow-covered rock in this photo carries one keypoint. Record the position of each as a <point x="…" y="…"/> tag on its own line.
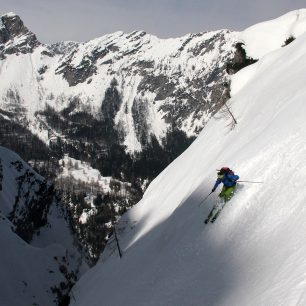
<point x="161" y="83"/>
<point x="40" y="258"/>
<point x="15" y="38"/>
<point x="84" y="173"/>
<point x="254" y="254"/>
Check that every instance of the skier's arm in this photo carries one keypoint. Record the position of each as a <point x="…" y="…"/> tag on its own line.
<point x="218" y="181"/>
<point x="233" y="177"/>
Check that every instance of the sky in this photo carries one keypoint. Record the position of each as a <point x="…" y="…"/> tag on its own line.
<point x="77" y="20"/>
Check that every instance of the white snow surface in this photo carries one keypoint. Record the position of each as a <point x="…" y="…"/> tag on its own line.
<point x="10" y="14"/>
<point x="267" y="36"/>
<point x="254" y="254"/>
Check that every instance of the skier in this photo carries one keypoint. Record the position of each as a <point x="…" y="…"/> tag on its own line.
<point x="229" y="180"/>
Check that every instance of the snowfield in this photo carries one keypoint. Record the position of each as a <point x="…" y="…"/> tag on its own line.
<point x="265" y="37"/>
<point x="254" y="254"/>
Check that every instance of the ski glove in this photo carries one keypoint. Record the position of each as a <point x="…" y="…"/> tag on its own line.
<point x="213" y="190"/>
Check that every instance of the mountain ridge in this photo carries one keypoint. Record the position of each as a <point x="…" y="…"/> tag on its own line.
<point x="176" y="81"/>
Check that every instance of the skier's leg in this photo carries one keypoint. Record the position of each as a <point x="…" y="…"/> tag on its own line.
<point x="217" y="207"/>
<point x="227" y="194"/>
<point x="215" y="210"/>
<point x="218" y="212"/>
<point x="222" y="193"/>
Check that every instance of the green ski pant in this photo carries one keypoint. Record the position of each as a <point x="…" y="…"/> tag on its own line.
<point x="226" y="194"/>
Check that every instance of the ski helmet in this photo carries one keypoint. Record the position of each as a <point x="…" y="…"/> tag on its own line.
<point x="224" y="170"/>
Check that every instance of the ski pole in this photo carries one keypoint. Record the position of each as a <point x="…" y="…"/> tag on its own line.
<point x="204" y="199"/>
<point x="250" y="182"/>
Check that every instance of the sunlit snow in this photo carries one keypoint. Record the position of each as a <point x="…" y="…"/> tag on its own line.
<point x="254" y="254"/>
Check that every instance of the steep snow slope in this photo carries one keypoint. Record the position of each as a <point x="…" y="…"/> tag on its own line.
<point x="39" y="257"/>
<point x="267" y="36"/>
<point x="254" y="254"/>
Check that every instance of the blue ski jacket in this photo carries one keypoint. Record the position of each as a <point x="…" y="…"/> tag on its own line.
<point x="228" y="180"/>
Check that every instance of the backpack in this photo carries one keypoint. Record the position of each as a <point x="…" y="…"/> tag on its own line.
<point x="225" y="170"/>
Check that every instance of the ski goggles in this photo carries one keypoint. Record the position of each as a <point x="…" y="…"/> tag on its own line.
<point x="220" y="176"/>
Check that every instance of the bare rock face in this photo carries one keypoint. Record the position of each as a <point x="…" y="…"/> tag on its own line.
<point x="14" y="25"/>
<point x="14" y="36"/>
<point x="32" y="205"/>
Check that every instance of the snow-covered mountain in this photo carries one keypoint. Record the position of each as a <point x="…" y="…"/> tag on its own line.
<point x="254" y="254"/>
<point x="40" y="259"/>
<point x="158" y="83"/>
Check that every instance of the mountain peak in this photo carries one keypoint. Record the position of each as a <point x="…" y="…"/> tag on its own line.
<point x="9" y="14"/>
<point x="15" y="36"/>
<point x="13" y="25"/>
